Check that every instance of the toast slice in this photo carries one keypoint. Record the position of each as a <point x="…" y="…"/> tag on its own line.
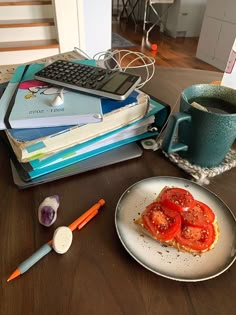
<point x="210" y="230"/>
<point x="175" y="244"/>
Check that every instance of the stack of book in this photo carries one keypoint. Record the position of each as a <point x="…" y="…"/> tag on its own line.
<point x="43" y="139"/>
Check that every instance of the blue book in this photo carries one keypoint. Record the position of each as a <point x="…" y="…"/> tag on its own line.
<point x="7" y="93"/>
<point x="32" y="106"/>
<point x="33" y="134"/>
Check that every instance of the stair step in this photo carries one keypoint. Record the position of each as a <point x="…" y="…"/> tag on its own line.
<point x="20" y="2"/>
<point x="15" y="34"/>
<point x="26" y="23"/>
<point x="26" y="12"/>
<point x="29" y="45"/>
<point x="23" y="56"/>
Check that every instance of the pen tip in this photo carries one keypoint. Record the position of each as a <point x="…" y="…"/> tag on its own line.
<point x="15" y="274"/>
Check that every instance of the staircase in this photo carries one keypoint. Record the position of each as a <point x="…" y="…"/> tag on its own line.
<point x="27" y="31"/>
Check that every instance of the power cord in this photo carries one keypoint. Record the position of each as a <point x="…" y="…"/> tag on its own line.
<point x="118" y="57"/>
<point x="122" y="62"/>
<point x="122" y="57"/>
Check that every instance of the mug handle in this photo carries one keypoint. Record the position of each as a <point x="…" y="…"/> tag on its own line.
<point x="175" y="120"/>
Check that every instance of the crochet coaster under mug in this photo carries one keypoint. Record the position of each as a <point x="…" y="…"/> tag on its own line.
<point x="200" y="174"/>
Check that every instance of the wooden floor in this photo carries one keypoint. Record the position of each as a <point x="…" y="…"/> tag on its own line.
<point x="171" y="52"/>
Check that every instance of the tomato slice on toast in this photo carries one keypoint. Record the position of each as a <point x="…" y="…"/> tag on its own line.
<point x="177" y="199"/>
<point x="199" y="215"/>
<point x="164" y="224"/>
<point x="195" y="237"/>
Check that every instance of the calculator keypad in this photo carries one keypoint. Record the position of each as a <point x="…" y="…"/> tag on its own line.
<point x="85" y="78"/>
<point x="76" y="74"/>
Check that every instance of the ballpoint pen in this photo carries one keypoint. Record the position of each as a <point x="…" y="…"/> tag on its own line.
<point x="46" y="248"/>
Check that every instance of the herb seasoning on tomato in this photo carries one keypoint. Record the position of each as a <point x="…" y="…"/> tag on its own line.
<point x="196" y="238"/>
<point x="164" y="224"/>
<point x="179" y="220"/>
<point x="177" y="199"/>
<point x="199" y="215"/>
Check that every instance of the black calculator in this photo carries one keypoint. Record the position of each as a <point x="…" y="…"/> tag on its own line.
<point x="97" y="81"/>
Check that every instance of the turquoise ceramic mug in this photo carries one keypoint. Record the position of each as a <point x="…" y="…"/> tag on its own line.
<point x="204" y="129"/>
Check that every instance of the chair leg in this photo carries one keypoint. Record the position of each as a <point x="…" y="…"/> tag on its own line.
<point x="158" y="16"/>
<point x="157" y="21"/>
<point x="145" y="15"/>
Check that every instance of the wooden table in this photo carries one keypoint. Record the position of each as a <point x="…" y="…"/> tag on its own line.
<point x="97" y="275"/>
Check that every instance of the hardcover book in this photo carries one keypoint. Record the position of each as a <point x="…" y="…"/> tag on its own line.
<point x="32" y="107"/>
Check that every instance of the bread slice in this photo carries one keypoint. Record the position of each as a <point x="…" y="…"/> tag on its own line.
<point x="173" y="243"/>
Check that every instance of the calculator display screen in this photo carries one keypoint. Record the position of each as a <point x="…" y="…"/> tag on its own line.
<point x="114" y="83"/>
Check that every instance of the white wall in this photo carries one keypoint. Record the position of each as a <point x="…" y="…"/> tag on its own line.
<point x="218" y="33"/>
<point x="85" y="24"/>
<point x="66" y="20"/>
<point x="185" y="18"/>
<point x="95" y="25"/>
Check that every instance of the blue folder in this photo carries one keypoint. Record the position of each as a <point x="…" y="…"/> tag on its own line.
<point x="74" y="159"/>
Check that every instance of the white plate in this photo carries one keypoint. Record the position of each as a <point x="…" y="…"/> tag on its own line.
<point x="167" y="261"/>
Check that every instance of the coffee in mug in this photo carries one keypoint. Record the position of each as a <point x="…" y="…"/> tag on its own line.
<point x="204" y="129"/>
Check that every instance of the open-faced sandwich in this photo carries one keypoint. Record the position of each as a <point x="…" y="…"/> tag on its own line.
<point x="176" y="219"/>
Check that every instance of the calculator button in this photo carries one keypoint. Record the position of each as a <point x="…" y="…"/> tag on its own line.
<point x="101" y="77"/>
<point x="75" y="76"/>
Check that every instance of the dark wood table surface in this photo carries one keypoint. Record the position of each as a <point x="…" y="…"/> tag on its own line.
<point x="97" y="275"/>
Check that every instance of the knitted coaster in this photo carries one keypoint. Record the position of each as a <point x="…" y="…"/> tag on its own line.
<point x="200" y="174"/>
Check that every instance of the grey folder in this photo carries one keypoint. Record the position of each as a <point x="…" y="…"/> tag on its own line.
<point x="123" y="153"/>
